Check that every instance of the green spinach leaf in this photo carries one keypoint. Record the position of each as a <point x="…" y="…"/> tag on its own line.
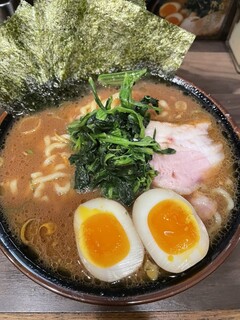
<point x="111" y="151"/>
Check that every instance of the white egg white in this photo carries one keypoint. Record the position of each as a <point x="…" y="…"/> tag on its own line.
<point x="134" y="258"/>
<point x="179" y="262"/>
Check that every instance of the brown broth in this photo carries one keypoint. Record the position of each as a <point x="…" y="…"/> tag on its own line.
<point x="23" y="155"/>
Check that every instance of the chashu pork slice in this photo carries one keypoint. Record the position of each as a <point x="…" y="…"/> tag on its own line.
<point x="197" y="156"/>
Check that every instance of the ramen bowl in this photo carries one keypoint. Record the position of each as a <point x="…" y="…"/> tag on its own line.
<point x="117" y="293"/>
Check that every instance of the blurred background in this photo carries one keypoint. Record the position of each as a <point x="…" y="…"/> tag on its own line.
<point x="207" y="19"/>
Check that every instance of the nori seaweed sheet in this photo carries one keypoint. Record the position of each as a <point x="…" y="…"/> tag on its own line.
<point x="48" y="49"/>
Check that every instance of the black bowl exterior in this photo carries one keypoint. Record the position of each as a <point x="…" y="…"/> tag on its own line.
<point x="152" y="291"/>
<point x="7" y="8"/>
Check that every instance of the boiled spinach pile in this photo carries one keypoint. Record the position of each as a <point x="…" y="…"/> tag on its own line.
<point x="111" y="151"/>
<point x="204" y="7"/>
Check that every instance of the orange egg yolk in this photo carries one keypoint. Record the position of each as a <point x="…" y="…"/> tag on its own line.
<point x="167" y="9"/>
<point x="104" y="240"/>
<point x="174" y="19"/>
<point x="173" y="226"/>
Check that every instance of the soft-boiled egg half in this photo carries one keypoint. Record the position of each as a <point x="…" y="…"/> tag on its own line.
<point x="170" y="229"/>
<point x="107" y="242"/>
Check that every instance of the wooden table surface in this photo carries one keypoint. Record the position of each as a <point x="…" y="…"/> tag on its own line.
<point x="210" y="67"/>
